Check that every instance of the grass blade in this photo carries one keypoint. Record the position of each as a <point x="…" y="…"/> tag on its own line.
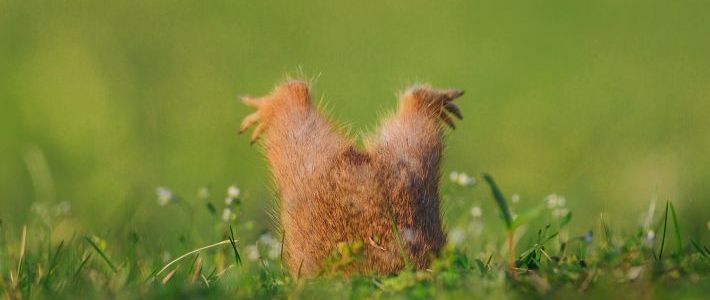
<point x="500" y="200"/>
<point x="53" y="262"/>
<point x="188" y="254"/>
<point x="23" y="247"/>
<point x="607" y="232"/>
<point x="101" y="253"/>
<point x="233" y="242"/>
<point x="81" y="266"/>
<point x="700" y="249"/>
<point x="663" y="238"/>
<point x="397" y="237"/>
<point x="679" y="242"/>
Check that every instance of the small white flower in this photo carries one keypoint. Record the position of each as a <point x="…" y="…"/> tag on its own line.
<point x="515" y="198"/>
<point x="228" y="215"/>
<point x="457" y="235"/>
<point x="228" y="200"/>
<point x="164" y="195"/>
<point x="476" y="212"/>
<point x="551" y="201"/>
<point x="454" y="176"/>
<point x="252" y="252"/>
<point x="560" y="212"/>
<point x="267" y="239"/>
<point x="554" y="201"/>
<point x="650" y="237"/>
<point x="273" y="245"/>
<point x="233" y="192"/>
<point x="274" y="251"/>
<point x="465" y="180"/>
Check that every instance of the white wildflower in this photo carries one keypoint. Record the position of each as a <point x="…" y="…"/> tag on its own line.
<point x="465" y="180"/>
<point x="560" y="212"/>
<point x="515" y="198"/>
<point x="555" y="201"/>
<point x="650" y="237"/>
<point x="267" y="239"/>
<point x="476" y="212"/>
<point x="233" y="192"/>
<point x="228" y="200"/>
<point x="274" y="251"/>
<point x="273" y="245"/>
<point x="252" y="252"/>
<point x="454" y="176"/>
<point x="164" y="195"/>
<point x="228" y="215"/>
<point x="456" y="235"/>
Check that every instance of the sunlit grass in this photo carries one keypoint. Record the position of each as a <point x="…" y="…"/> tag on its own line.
<point x="526" y="259"/>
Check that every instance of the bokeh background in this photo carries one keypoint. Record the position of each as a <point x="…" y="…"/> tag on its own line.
<point x="604" y="102"/>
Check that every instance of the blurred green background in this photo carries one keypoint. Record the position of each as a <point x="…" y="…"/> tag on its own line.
<point x="605" y="102"/>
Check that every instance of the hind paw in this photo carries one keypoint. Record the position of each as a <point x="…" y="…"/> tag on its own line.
<point x="437" y="102"/>
<point x="290" y="92"/>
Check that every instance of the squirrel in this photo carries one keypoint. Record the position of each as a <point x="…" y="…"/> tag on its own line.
<point x="386" y="196"/>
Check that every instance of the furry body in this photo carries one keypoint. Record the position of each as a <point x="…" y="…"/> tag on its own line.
<point x="331" y="192"/>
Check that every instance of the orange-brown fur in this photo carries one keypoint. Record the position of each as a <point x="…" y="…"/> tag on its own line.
<point x="331" y="192"/>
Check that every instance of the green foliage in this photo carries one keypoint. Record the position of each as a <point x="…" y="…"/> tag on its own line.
<point x="551" y="264"/>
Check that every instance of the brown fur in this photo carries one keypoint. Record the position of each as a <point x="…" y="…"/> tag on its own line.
<point x="331" y="192"/>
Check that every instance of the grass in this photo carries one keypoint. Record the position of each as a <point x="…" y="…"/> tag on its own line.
<point x="548" y="261"/>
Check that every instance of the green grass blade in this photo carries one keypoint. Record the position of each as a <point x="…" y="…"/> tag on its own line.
<point x="676" y="228"/>
<point x="81" y="266"/>
<point x="500" y="200"/>
<point x="663" y="238"/>
<point x="397" y="237"/>
<point x="53" y="262"/>
<point x="700" y="249"/>
<point x="101" y="253"/>
<point x="233" y="242"/>
<point x="607" y="232"/>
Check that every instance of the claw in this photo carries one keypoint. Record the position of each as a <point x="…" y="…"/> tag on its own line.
<point x="257" y="132"/>
<point x="453" y="94"/>
<point x="249" y="121"/>
<point x="453" y="109"/>
<point x="444" y="117"/>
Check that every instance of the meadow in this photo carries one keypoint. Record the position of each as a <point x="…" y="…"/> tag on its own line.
<point x="119" y="151"/>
